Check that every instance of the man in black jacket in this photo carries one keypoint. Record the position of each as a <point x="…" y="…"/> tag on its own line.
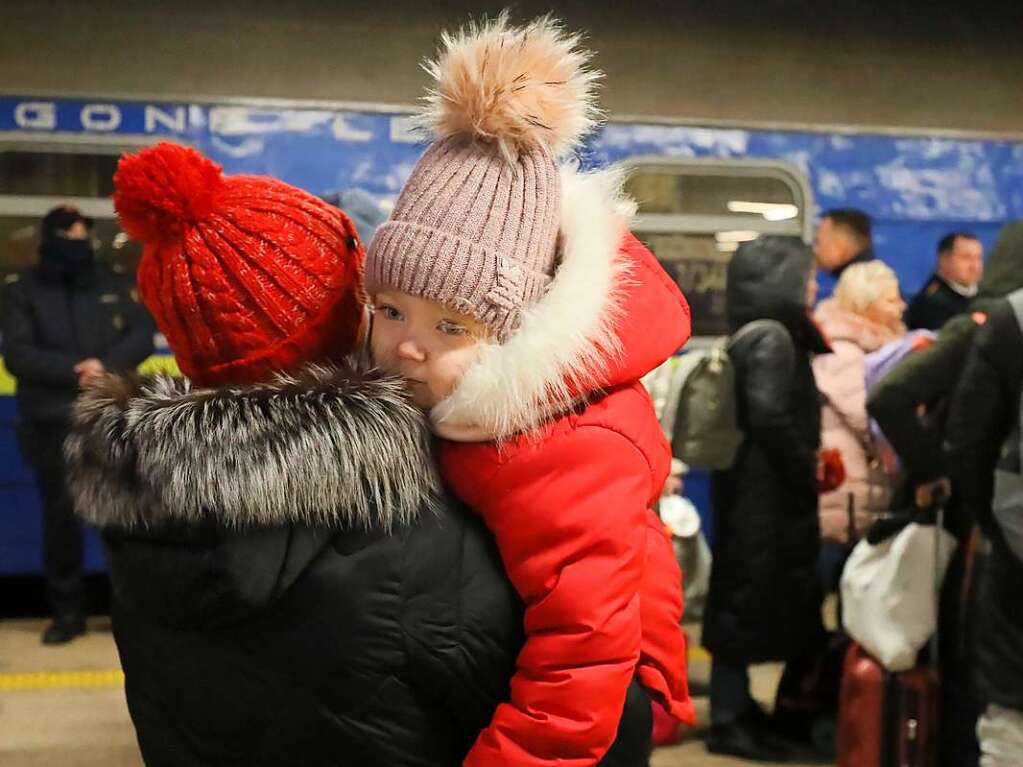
<point x="65" y="323"/>
<point x="951" y="288"/>
<point x="911" y="405"/>
<point x="983" y="413"/>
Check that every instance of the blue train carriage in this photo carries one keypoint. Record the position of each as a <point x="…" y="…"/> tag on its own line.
<point x="701" y="191"/>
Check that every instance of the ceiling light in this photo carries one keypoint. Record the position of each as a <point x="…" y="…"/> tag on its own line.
<point x="736" y="235"/>
<point x="771" y="211"/>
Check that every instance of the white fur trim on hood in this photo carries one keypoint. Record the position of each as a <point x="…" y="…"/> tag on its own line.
<point x="565" y="340"/>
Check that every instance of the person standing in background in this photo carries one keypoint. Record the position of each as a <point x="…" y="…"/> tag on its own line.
<point x="65" y="322"/>
<point x="844" y="237"/>
<point x="764" y="599"/>
<point x="951" y="288"/>
<point x="983" y="412"/>
<point x="863" y="315"/>
<point x="911" y="406"/>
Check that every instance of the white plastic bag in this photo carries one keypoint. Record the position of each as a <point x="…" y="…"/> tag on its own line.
<point x="889" y="593"/>
<point x="694" y="558"/>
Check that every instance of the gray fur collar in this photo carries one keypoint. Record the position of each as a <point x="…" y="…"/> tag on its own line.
<point x="332" y="446"/>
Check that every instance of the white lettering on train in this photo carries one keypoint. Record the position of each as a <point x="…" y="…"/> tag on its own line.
<point x="173" y="121"/>
<point x="180" y="118"/>
<point x="41" y="115"/>
<point x="100" y="117"/>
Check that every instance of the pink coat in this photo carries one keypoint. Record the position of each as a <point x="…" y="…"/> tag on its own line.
<point x="844" y="422"/>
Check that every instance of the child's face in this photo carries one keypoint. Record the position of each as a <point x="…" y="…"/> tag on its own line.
<point x="423" y="341"/>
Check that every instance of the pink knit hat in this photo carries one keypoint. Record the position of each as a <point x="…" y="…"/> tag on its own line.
<point x="476" y="225"/>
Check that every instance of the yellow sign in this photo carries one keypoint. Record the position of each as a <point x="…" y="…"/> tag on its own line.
<point x="60" y="680"/>
<point x="158" y="363"/>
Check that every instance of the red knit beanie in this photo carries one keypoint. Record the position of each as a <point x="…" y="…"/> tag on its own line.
<point x="245" y="275"/>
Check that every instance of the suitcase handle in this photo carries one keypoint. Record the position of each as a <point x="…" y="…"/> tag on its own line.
<point x="939" y="527"/>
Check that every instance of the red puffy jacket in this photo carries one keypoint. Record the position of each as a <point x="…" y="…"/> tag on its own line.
<point x="569" y="500"/>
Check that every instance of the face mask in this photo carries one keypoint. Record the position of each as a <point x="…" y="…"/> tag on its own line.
<point x="66" y="257"/>
<point x="75" y="252"/>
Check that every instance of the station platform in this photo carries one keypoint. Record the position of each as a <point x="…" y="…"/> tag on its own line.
<point x="62" y="706"/>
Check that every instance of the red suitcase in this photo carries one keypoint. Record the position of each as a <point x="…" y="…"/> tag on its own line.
<point x="886" y="719"/>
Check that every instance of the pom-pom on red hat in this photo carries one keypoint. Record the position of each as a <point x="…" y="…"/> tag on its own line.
<point x="245" y="275"/>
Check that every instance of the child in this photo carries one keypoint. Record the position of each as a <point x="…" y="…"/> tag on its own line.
<point x="509" y="293"/>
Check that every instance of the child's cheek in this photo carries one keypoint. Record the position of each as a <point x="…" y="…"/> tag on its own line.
<point x="454" y="365"/>
<point x="383" y="349"/>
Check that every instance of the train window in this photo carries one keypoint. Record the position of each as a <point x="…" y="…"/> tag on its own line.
<point x="36" y="178"/>
<point x="671" y="192"/>
<point x="693" y="214"/>
<point x="72" y="174"/>
<point x="699" y="268"/>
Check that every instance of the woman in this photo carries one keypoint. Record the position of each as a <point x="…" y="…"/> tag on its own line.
<point x="863" y="315"/>
<point x="289" y="588"/>
<point x="764" y="600"/>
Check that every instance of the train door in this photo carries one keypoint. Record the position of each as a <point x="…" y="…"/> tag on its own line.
<point x="693" y="214"/>
<point x="36" y="176"/>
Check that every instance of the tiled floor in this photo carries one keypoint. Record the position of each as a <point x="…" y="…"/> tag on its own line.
<point x="65" y="706"/>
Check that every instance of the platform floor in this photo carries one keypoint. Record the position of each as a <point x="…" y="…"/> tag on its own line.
<point x="65" y="706"/>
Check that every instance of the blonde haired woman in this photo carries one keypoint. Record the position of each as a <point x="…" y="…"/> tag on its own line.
<point x="864" y="314"/>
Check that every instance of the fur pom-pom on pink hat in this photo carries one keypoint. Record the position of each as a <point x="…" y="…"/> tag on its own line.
<point x="476" y="224"/>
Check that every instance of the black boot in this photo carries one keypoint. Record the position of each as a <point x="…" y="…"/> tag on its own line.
<point x="63" y="630"/>
<point x="744" y="741"/>
<point x="817" y="748"/>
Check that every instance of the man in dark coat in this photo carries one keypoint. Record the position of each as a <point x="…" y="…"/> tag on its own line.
<point x="764" y="601"/>
<point x="951" y="288"/>
<point x="983" y="413"/>
<point x="924" y="382"/>
<point x="65" y="322"/>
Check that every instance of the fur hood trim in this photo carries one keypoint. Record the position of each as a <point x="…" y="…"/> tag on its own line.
<point x="840" y="324"/>
<point x="333" y="446"/>
<point x="565" y="341"/>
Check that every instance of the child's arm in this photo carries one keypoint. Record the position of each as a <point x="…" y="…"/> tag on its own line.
<point x="569" y="519"/>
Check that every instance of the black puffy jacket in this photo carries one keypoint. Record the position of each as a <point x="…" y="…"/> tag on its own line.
<point x="51" y="324"/>
<point x="983" y="413"/>
<point x="289" y="589"/>
<point x="764" y="601"/>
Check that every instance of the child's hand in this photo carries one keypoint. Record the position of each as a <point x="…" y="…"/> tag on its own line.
<point x="933" y="493"/>
<point x="672" y="486"/>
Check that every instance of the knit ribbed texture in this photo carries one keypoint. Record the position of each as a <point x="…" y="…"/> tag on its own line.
<point x="246" y="283"/>
<point x="245" y="275"/>
<point x="474" y="231"/>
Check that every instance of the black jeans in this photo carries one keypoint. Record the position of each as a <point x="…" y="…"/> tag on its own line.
<point x="42" y="443"/>
<point x="730" y="698"/>
<point x="634" y="743"/>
